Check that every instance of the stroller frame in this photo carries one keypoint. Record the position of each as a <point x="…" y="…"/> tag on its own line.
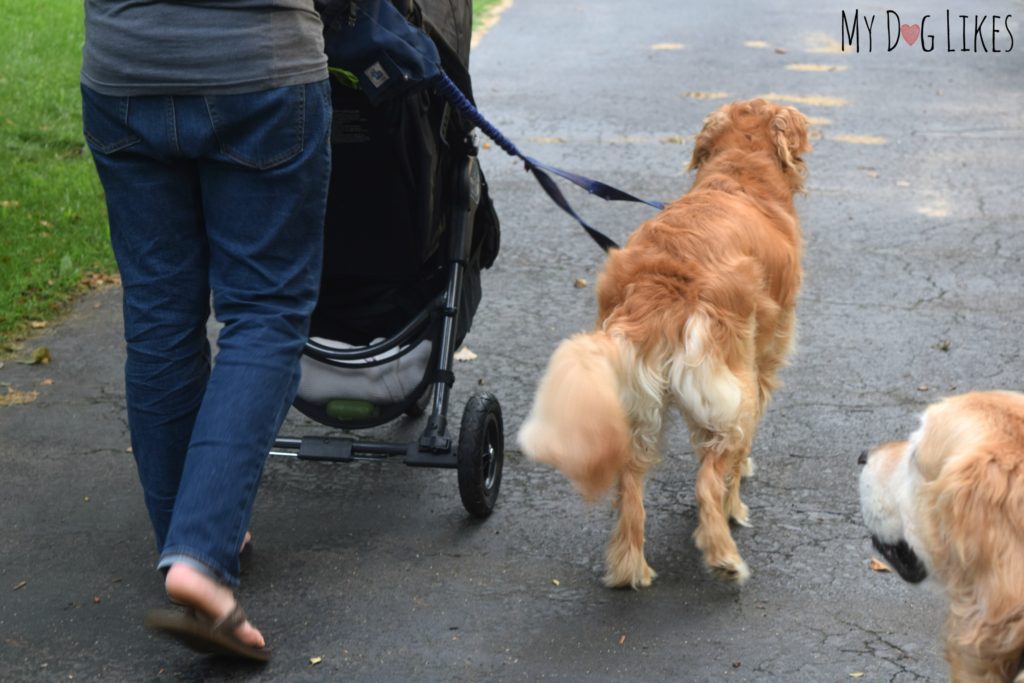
<point x="478" y="456"/>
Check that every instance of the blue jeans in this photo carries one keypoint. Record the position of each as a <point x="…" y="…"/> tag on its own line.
<point x="223" y="194"/>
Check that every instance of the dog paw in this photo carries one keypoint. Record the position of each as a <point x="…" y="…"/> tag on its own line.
<point x="636" y="580"/>
<point x="629" y="571"/>
<point x="741" y="515"/>
<point x="730" y="570"/>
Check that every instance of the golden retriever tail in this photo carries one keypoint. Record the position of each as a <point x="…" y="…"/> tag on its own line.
<point x="577" y="423"/>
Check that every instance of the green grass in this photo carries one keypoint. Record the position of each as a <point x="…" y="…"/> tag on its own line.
<point x="480" y="9"/>
<point x="53" y="228"/>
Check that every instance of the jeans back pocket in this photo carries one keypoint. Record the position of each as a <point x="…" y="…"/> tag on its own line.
<point x="105" y="122"/>
<point x="260" y="130"/>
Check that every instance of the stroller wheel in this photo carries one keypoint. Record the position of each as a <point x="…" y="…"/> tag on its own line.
<point x="481" y="454"/>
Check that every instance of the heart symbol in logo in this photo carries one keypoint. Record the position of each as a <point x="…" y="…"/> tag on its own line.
<point x="910" y="32"/>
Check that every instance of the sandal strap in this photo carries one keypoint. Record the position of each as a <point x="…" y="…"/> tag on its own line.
<point x="232" y="620"/>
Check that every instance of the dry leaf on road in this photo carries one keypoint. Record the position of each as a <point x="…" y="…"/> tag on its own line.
<point x="464" y="354"/>
<point x="876" y="565"/>
<point x="40" y="356"/>
<point x="13" y="397"/>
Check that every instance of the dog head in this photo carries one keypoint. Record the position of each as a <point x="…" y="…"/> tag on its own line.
<point x="949" y="503"/>
<point x="888" y="486"/>
<point x="756" y="126"/>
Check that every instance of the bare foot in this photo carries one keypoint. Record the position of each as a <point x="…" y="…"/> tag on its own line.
<point x="195" y="589"/>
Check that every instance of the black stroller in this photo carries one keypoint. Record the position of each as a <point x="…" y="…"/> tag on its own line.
<point x="409" y="227"/>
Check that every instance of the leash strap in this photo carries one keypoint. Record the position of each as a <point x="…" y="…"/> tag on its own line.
<point x="540" y="170"/>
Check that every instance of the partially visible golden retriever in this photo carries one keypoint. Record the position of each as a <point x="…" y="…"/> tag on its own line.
<point x="696" y="311"/>
<point x="949" y="503"/>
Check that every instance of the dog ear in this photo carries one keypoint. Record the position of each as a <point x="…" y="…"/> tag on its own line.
<point x="979" y="549"/>
<point x="705" y="142"/>
<point x="789" y="133"/>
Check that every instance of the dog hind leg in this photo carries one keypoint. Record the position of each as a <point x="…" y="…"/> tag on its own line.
<point x="625" y="562"/>
<point x="643" y="399"/>
<point x="720" y="406"/>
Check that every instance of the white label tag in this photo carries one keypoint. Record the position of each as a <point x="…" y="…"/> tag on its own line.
<point x="377" y="75"/>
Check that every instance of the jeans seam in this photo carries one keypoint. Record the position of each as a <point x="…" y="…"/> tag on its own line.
<point x="172" y="121"/>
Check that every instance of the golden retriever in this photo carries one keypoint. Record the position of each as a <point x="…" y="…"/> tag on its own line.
<point x="949" y="503"/>
<point x="696" y="310"/>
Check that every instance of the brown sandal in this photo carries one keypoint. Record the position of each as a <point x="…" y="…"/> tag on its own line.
<point x="202" y="634"/>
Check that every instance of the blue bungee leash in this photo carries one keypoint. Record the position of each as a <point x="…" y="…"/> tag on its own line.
<point x="540" y="171"/>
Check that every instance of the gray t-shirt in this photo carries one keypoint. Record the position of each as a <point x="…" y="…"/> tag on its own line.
<point x="200" y="47"/>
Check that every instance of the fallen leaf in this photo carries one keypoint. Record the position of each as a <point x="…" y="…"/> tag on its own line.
<point x="944" y="345"/>
<point x="486" y="145"/>
<point x="622" y="639"/>
<point x="21" y="584"/>
<point x="699" y="95"/>
<point x="816" y="67"/>
<point x="857" y="674"/>
<point x="96" y="600"/>
<point x="556" y="582"/>
<point x="37" y="324"/>
<point x="756" y="44"/>
<point x="94" y="280"/>
<point x="47" y="382"/>
<point x="902" y="183"/>
<point x="860" y="139"/>
<point x="872" y="173"/>
<point x="464" y="354"/>
<point x="780" y="50"/>
<point x="923" y="387"/>
<point x="40" y="356"/>
<point x="580" y="283"/>
<point x="876" y="565"/>
<point x="13" y="397"/>
<point x="809" y="100"/>
<point x="315" y="660"/>
<point x="8" y="203"/>
<point x="667" y="46"/>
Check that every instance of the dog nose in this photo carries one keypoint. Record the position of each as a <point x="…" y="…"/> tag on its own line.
<point x="862" y="459"/>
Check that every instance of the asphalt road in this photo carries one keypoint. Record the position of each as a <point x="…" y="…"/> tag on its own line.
<point x="914" y="290"/>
